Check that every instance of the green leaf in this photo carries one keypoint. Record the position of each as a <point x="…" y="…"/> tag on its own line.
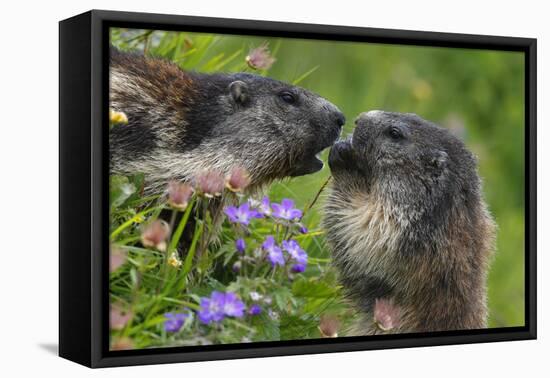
<point x="181" y="226"/>
<point x="282" y="297"/>
<point x="120" y="189"/>
<point x="298" y="327"/>
<point x="191" y="253"/>
<point x="313" y="288"/>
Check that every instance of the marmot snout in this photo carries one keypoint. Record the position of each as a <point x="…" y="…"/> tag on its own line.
<point x="408" y="227"/>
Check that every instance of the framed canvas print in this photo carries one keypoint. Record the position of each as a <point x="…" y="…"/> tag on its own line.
<point x="234" y="188"/>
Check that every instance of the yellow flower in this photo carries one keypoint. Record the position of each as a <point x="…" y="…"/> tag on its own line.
<point x="117" y="117"/>
<point x="174" y="260"/>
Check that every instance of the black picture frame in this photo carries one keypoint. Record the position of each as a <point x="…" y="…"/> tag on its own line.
<point x="83" y="196"/>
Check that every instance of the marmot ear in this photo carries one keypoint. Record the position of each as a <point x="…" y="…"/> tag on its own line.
<point x="239" y="91"/>
<point x="439" y="161"/>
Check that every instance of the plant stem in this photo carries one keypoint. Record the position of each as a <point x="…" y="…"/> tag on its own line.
<point x="312" y="203"/>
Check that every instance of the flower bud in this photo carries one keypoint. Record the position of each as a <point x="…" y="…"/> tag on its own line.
<point x="179" y="195"/>
<point x="240" y="245"/>
<point x="210" y="183"/>
<point x="260" y="58"/>
<point x="119" y="317"/>
<point x="237" y="267"/>
<point x="255" y="309"/>
<point x="386" y="314"/>
<point x="237" y="180"/>
<point x="117" y="258"/>
<point x="328" y="326"/>
<point x="155" y="234"/>
<point x="122" y="343"/>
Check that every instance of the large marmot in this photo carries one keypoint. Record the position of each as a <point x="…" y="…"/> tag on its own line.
<point x="410" y="232"/>
<point x="181" y="123"/>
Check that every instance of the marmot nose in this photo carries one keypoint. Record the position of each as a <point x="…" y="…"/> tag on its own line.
<point x="340" y="119"/>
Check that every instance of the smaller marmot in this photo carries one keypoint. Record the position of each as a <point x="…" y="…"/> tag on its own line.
<point x="181" y="123"/>
<point x="410" y="232"/>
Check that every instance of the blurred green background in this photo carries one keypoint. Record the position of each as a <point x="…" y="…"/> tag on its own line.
<point x="477" y="94"/>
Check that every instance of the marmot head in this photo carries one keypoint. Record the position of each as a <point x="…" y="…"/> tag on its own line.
<point x="404" y="189"/>
<point x="272" y="128"/>
<point x="181" y="123"/>
<point x="415" y="167"/>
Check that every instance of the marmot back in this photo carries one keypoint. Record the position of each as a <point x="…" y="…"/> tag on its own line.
<point x="181" y="123"/>
<point x="410" y="232"/>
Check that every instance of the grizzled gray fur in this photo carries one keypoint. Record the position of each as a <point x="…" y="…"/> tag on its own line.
<point x="408" y="226"/>
<point x="182" y="123"/>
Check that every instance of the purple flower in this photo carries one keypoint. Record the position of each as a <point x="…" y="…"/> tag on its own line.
<point x="295" y="251"/>
<point x="240" y="245"/>
<point x="233" y="306"/>
<point x="220" y="305"/>
<point x="265" y="206"/>
<point x="212" y="309"/>
<point x="255" y="310"/>
<point x="303" y="229"/>
<point x="242" y="214"/>
<point x="286" y="210"/>
<point x="274" y="252"/>
<point x="298" y="268"/>
<point x="174" y="322"/>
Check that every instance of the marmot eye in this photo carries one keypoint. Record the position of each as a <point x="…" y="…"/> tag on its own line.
<point x="288" y="97"/>
<point x="395" y="133"/>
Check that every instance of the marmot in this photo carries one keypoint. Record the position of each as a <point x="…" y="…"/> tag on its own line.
<point x="181" y="123"/>
<point x="409" y="230"/>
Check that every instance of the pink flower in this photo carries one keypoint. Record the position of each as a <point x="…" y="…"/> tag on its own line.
<point x="155" y="234"/>
<point x="237" y="180"/>
<point x="260" y="58"/>
<point x="210" y="183"/>
<point x="119" y="317"/>
<point x="179" y="195"/>
<point x="386" y="314"/>
<point x="117" y="258"/>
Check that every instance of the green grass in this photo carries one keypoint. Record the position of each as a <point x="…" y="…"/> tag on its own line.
<point x="478" y="94"/>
